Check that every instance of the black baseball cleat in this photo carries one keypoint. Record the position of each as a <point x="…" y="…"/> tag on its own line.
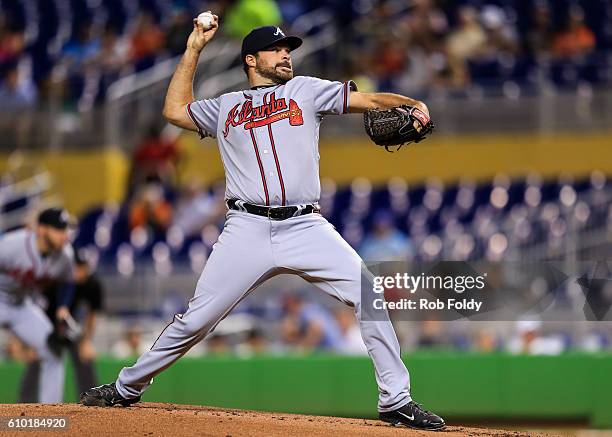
<point x="105" y="395"/>
<point x="413" y="416"/>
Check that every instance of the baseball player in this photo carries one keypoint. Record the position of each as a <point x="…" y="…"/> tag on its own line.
<point x="86" y="304"/>
<point x="29" y="260"/>
<point x="268" y="140"/>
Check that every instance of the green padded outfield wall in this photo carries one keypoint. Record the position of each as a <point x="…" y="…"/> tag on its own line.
<point x="566" y="387"/>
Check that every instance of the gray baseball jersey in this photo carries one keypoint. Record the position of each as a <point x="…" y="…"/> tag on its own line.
<point x="24" y="271"/>
<point x="269" y="137"/>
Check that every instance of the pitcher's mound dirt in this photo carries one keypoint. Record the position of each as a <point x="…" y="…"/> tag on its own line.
<point x="154" y="419"/>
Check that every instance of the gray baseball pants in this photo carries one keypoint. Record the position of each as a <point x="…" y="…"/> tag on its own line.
<point x="250" y="250"/>
<point x="32" y="326"/>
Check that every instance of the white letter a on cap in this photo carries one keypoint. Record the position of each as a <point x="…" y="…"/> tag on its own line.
<point x="278" y="32"/>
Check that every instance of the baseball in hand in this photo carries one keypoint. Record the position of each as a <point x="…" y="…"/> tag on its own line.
<point x="206" y="20"/>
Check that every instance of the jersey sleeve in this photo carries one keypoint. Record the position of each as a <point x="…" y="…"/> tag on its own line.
<point x="331" y="97"/>
<point x="205" y="115"/>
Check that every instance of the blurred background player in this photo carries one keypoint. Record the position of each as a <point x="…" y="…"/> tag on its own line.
<point x="29" y="260"/>
<point x="85" y="307"/>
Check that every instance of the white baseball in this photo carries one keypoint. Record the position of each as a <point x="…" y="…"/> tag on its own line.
<point x="206" y="20"/>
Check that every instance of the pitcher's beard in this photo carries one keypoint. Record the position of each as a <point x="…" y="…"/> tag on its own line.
<point x="274" y="75"/>
<point x="51" y="246"/>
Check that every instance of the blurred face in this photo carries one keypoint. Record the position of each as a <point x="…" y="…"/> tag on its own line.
<point x="576" y="18"/>
<point x="133" y="338"/>
<point x="383" y="227"/>
<point x="467" y="15"/>
<point x="54" y="239"/>
<point x="274" y="63"/>
<point x="152" y="193"/>
<point x="293" y="305"/>
<point x="542" y="16"/>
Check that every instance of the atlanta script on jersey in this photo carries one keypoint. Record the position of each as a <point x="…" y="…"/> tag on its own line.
<point x="269" y="137"/>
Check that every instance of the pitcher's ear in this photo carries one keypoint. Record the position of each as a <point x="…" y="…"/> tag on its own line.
<point x="250" y="60"/>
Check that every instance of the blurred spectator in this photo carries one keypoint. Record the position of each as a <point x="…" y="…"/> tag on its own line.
<point x="422" y="71"/>
<point x="501" y="39"/>
<point x="307" y="326"/>
<point x="424" y="29"/>
<point x="464" y="44"/>
<point x="17" y="92"/>
<point x="595" y="341"/>
<point x="156" y="158"/>
<point x="363" y="73"/>
<point x="432" y="334"/>
<point x="576" y="40"/>
<point x="131" y="346"/>
<point x="426" y="25"/>
<point x="389" y="61"/>
<point x="113" y="52"/>
<point x="146" y="41"/>
<point x="218" y="345"/>
<point x="112" y="58"/>
<point x="77" y="66"/>
<point x="150" y="210"/>
<point x="485" y="341"/>
<point x="12" y="43"/>
<point x="181" y="26"/>
<point x="352" y="343"/>
<point x="255" y="344"/>
<point x="385" y="242"/>
<point x="85" y="307"/>
<point x="79" y="52"/>
<point x="197" y="207"/>
<point x="529" y="340"/>
<point x="17" y="97"/>
<point x="540" y="37"/>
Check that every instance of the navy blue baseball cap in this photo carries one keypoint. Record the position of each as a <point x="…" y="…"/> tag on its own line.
<point x="264" y="37"/>
<point x="56" y="218"/>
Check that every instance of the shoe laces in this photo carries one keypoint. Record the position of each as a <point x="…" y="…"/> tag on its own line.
<point x="419" y="408"/>
<point x="107" y="390"/>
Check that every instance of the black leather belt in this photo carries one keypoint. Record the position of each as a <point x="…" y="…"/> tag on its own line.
<point x="273" y="212"/>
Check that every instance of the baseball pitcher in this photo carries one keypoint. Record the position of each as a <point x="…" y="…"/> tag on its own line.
<point x="268" y="140"/>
